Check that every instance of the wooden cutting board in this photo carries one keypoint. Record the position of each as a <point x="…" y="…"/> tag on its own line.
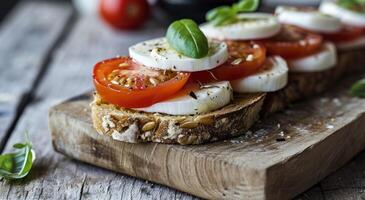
<point x="279" y="158"/>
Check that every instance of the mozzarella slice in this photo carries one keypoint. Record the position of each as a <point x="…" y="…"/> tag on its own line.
<point x="346" y="16"/>
<point x="354" y="44"/>
<point x="208" y="98"/>
<point x="273" y="77"/>
<point x="322" y="60"/>
<point x="250" y="26"/>
<point x="308" y="19"/>
<point x="157" y="54"/>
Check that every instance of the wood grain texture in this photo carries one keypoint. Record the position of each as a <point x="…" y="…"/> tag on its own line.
<point x="26" y="37"/>
<point x="320" y="136"/>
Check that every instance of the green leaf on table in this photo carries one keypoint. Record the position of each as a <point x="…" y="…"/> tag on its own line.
<point x="17" y="165"/>
<point x="186" y="38"/>
<point x="358" y="89"/>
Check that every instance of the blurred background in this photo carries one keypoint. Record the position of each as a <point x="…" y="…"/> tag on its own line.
<point x="164" y="10"/>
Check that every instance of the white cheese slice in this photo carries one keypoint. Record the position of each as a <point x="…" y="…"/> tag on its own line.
<point x="206" y="99"/>
<point x="347" y="16"/>
<point x="250" y="26"/>
<point x="273" y="77"/>
<point x="308" y="19"/>
<point x="325" y="59"/>
<point x="157" y="54"/>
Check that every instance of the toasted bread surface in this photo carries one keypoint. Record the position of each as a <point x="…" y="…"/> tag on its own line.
<point x="134" y="126"/>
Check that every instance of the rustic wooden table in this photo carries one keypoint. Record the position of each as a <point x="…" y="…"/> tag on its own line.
<point x="46" y="56"/>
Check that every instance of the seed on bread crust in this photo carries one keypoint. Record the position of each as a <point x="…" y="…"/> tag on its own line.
<point x="179" y="119"/>
<point x="204" y="120"/>
<point x="189" y="124"/>
<point x="149" y="126"/>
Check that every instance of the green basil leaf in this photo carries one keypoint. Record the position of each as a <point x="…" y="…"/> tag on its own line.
<point x="222" y="16"/>
<point x="246" y="5"/>
<point x="358" y="89"/>
<point x="346" y="3"/>
<point x="224" y="20"/>
<point x="17" y="165"/>
<point x="219" y="11"/>
<point x="19" y="145"/>
<point x="186" y="38"/>
<point x="6" y="161"/>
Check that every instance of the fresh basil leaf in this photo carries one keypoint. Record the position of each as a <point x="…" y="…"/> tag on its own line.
<point x="360" y="1"/>
<point x="224" y="15"/>
<point x="223" y="20"/>
<point x="19" y="145"/>
<point x="219" y="11"/>
<point x="186" y="38"/>
<point x="358" y="89"/>
<point x="6" y="161"/>
<point x="346" y="3"/>
<point x="17" y="165"/>
<point x="246" y="5"/>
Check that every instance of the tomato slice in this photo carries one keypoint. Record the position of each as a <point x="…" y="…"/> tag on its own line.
<point x="293" y="42"/>
<point x="125" y="83"/>
<point x="346" y="34"/>
<point x="246" y="58"/>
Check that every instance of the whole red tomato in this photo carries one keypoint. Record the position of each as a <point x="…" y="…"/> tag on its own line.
<point x="124" y="14"/>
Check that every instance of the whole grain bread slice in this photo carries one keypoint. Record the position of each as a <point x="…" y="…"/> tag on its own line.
<point x="134" y="126"/>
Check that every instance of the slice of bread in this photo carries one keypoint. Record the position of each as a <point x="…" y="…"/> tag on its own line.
<point x="134" y="126"/>
<point x="232" y="120"/>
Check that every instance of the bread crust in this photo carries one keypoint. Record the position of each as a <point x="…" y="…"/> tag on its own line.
<point x="232" y="120"/>
<point x="134" y="126"/>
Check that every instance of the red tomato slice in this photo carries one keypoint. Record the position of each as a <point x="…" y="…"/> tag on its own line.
<point x="122" y="82"/>
<point x="246" y="58"/>
<point x="347" y="34"/>
<point x="293" y="42"/>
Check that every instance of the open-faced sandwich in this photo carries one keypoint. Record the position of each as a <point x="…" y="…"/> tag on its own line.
<point x="208" y="83"/>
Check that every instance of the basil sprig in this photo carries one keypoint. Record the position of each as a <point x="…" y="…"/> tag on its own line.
<point x="17" y="165"/>
<point x="358" y="89"/>
<point x="186" y="38"/>
<point x="355" y="5"/>
<point x="224" y="15"/>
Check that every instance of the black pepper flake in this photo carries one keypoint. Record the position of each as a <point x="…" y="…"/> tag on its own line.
<point x="280" y="139"/>
<point x="193" y="95"/>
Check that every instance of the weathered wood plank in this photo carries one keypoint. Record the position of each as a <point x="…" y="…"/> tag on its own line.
<point x="26" y="37"/>
<point x="55" y="176"/>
